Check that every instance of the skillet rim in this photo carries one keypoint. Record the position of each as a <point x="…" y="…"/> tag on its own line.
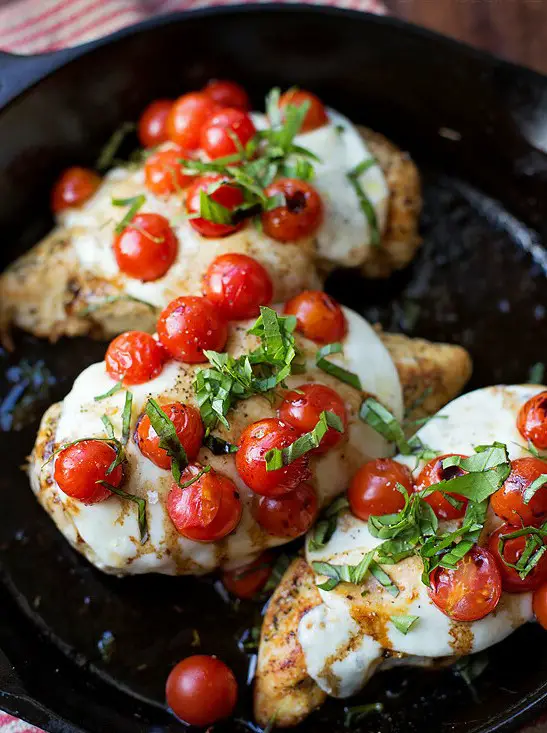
<point x="30" y="70"/>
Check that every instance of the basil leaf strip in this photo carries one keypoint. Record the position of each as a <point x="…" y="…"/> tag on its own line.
<point x="364" y="201"/>
<point x="403" y="622"/>
<point x="113" y="299"/>
<point x="325" y="527"/>
<point x="334" y="369"/>
<point x="169" y="439"/>
<point x="134" y="203"/>
<point x="219" y="446"/>
<point x="110" y="149"/>
<point x="141" y="507"/>
<point x="343" y="573"/>
<point x="111" y="391"/>
<point x="277" y="458"/>
<point x="534" y="486"/>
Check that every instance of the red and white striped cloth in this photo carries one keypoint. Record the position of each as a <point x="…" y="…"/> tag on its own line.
<point x="34" y="26"/>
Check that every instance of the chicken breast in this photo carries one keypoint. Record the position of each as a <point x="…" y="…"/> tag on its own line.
<point x="322" y="643"/>
<point x="107" y="533"/>
<point x="70" y="284"/>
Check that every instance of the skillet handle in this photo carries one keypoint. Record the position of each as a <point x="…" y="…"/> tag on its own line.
<point x="18" y="73"/>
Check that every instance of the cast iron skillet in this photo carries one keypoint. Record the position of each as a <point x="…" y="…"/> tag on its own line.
<point x="474" y="124"/>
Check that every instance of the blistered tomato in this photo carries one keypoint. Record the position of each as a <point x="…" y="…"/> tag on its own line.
<point x="80" y="467"/>
<point x="190" y="325"/>
<point x="134" y="357"/>
<point x="318" y="316"/>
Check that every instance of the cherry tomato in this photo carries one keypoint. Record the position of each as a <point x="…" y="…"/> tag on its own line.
<point x="189" y="427"/>
<point x="512" y="551"/>
<point x="190" y="325"/>
<point x="163" y="172"/>
<point x="290" y="515"/>
<point x="255" y="441"/>
<point x="201" y="690"/>
<point x="318" y="316"/>
<point x="532" y="420"/>
<point x="227" y="94"/>
<point x="73" y="188"/>
<point x="229" y="196"/>
<point x="237" y="285"/>
<point x="470" y="591"/>
<point x="80" y="466"/>
<point x="316" y="116"/>
<point x="373" y="488"/>
<point x="301" y="214"/>
<point x="247" y="581"/>
<point x="508" y="502"/>
<point x="207" y="510"/>
<point x="218" y="135"/>
<point x="188" y="115"/>
<point x="302" y="410"/>
<point x="539" y="605"/>
<point x="152" y="128"/>
<point x="134" y="357"/>
<point x="432" y="473"/>
<point x="146" y="248"/>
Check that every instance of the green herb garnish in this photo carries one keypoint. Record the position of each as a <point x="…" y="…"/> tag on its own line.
<point x="108" y="154"/>
<point x="134" y="203"/>
<point x="364" y="201"/>
<point x="403" y="622"/>
<point x="325" y="527"/>
<point x="343" y="573"/>
<point x="111" y="391"/>
<point x="334" y="369"/>
<point x="169" y="440"/>
<point x="219" y="446"/>
<point x="113" y="299"/>
<point x="141" y="507"/>
<point x="277" y="458"/>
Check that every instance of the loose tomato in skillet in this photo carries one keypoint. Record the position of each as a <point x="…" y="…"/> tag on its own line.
<point x="188" y="426"/>
<point x="146" y="248"/>
<point x="431" y="474"/>
<point x="255" y="441"/>
<point x="318" y="316"/>
<point x="208" y="509"/>
<point x="248" y="581"/>
<point x="373" y="491"/>
<point x="510" y="503"/>
<point x="190" y="325"/>
<point x="201" y="690"/>
<point x="532" y="420"/>
<point x="289" y="515"/>
<point x="237" y="285"/>
<point x="79" y="468"/>
<point x="470" y="591"/>
<point x="134" y="357"/>
<point x="73" y="188"/>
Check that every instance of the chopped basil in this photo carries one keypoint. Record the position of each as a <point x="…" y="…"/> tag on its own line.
<point x="219" y="446"/>
<point x="364" y="201"/>
<point x="325" y="527"/>
<point x="533" y="551"/>
<point x="404" y="622"/>
<point x="383" y="421"/>
<point x="111" y="391"/>
<point x="537" y="373"/>
<point x="134" y="203"/>
<point x="141" y="506"/>
<point x="534" y="486"/>
<point x="357" y="713"/>
<point x="213" y="211"/>
<point x="344" y="573"/>
<point x="108" y="154"/>
<point x="487" y="469"/>
<point x="334" y="369"/>
<point x="126" y="417"/>
<point x="113" y="299"/>
<point x="195" y="478"/>
<point x="107" y="422"/>
<point x="277" y="458"/>
<point x="169" y="440"/>
<point x="383" y="578"/>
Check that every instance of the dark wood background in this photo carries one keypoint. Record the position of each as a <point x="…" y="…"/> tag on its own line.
<point x="513" y="29"/>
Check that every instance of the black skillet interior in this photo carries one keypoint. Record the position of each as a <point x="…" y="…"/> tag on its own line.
<point x="471" y="122"/>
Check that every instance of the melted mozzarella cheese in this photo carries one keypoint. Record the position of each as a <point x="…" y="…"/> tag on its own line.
<point x="107" y="532"/>
<point x="341" y="663"/>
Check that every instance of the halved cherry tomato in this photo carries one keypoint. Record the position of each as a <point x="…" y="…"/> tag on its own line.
<point x="539" y="605"/>
<point x="163" y="172"/>
<point x="301" y="214"/>
<point x="219" y="134"/>
<point x="187" y="116"/>
<point x="201" y="690"/>
<point x="469" y="592"/>
<point x="532" y="420"/>
<point x="73" y="188"/>
<point x="508" y="502"/>
<point x="237" y="285"/>
<point x="146" y="248"/>
<point x="512" y="551"/>
<point x="152" y="128"/>
<point x="290" y="515"/>
<point x="207" y="510"/>
<point x="190" y="325"/>
<point x="227" y="195"/>
<point x="80" y="466"/>
<point x="227" y="94"/>
<point x="373" y="488"/>
<point x="189" y="427"/>
<point x="134" y="357"/>
<point x="255" y="441"/>
<point x="247" y="581"/>
<point x="316" y="115"/>
<point x="432" y="473"/>
<point x="318" y="316"/>
<point x="302" y="409"/>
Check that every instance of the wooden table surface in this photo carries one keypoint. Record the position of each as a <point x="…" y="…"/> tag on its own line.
<point x="513" y="29"/>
